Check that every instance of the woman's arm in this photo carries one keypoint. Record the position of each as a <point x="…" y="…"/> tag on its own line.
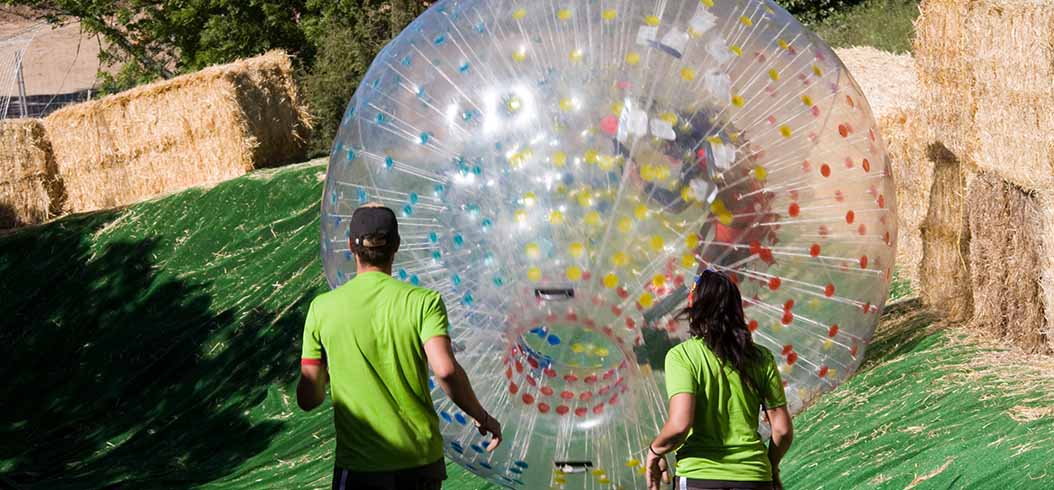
<point x="782" y="436"/>
<point x="678" y="425"/>
<point x="673" y="433"/>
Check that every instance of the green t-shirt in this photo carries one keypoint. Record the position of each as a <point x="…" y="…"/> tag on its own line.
<point x="371" y="333"/>
<point x="724" y="443"/>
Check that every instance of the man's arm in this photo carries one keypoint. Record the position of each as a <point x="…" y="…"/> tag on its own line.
<point x="311" y="391"/>
<point x="452" y="379"/>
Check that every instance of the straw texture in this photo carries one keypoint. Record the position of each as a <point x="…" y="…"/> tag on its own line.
<point x="944" y="58"/>
<point x="30" y="191"/>
<point x="196" y="129"/>
<point x="945" y="268"/>
<point x="905" y="136"/>
<point x="1013" y="81"/>
<point x="889" y="81"/>
<point x="1007" y="247"/>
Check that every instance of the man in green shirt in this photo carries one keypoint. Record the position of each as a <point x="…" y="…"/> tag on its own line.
<point x="373" y="339"/>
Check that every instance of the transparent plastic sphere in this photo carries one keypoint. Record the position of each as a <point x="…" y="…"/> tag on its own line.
<point x="562" y="171"/>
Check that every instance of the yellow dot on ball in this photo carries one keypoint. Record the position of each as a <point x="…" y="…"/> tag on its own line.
<point x="738" y="101"/>
<point x="521" y="216"/>
<point x="784" y="44"/>
<point x="659" y="280"/>
<point x="559" y="158"/>
<point x="616" y="108"/>
<point x="736" y="50"/>
<point x="592" y="156"/>
<point x="687" y="74"/>
<point x="640" y="212"/>
<point x="514" y="104"/>
<point x="564" y="14"/>
<point x="519" y="55"/>
<point x="805" y="99"/>
<point x="574" y="273"/>
<point x="656" y="242"/>
<point x="625" y="225"/>
<point x="817" y="70"/>
<point x="632" y="58"/>
<point x="620" y="259"/>
<point x="529" y="199"/>
<point x="606" y="162"/>
<point x="585" y="199"/>
<point x="746" y="21"/>
<point x="686" y="194"/>
<point x="534" y="274"/>
<point x="533" y="250"/>
<point x="688" y="261"/>
<point x="652" y="20"/>
<point x="609" y="14"/>
<point x="646" y="300"/>
<point x="611" y="281"/>
<point x="519" y="14"/>
<point x="567" y="104"/>
<point x="578" y="348"/>
<point x="601" y="352"/>
<point x="786" y="131"/>
<point x="774" y="75"/>
<point x="827" y="344"/>
<point x="556" y="217"/>
<point x="760" y="173"/>
<point x="575" y="55"/>
<point x="632" y="463"/>
<point x="669" y="118"/>
<point x="592" y="218"/>
<point x="576" y="249"/>
<point x="691" y="241"/>
<point x="707" y="3"/>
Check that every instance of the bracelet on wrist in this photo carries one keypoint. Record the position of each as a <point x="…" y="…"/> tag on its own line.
<point x="653" y="451"/>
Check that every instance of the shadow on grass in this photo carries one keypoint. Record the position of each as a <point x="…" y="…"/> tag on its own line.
<point x="905" y="323"/>
<point x="117" y="376"/>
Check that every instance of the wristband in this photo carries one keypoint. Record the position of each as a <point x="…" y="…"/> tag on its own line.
<point x="654" y="451"/>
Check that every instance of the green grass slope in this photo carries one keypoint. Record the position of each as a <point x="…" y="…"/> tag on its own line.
<point x="157" y="347"/>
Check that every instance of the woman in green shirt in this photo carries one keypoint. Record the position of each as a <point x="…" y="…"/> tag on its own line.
<point x="718" y="382"/>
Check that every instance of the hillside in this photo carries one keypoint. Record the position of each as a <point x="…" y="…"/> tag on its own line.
<point x="157" y="346"/>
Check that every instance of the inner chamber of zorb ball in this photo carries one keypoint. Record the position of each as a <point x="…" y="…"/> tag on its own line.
<point x="562" y="172"/>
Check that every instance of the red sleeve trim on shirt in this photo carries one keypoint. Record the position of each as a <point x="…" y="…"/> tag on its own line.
<point x="311" y="362"/>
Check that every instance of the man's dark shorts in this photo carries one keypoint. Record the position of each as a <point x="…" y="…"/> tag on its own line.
<point x="427" y="477"/>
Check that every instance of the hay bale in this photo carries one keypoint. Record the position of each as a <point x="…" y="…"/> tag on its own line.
<point x="905" y="136"/>
<point x="1013" y="73"/>
<point x="944" y="274"/>
<point x="1010" y="263"/>
<point x="943" y="58"/>
<point x="30" y="191"/>
<point x="889" y="81"/>
<point x="196" y="129"/>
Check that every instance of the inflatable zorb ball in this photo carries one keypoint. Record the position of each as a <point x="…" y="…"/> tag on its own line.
<point x="562" y="172"/>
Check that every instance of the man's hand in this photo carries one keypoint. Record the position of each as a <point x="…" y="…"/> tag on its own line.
<point x="658" y="472"/>
<point x="490" y="425"/>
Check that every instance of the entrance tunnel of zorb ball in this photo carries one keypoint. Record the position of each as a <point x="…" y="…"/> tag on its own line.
<point x="562" y="172"/>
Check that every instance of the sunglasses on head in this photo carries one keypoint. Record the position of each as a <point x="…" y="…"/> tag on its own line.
<point x="695" y="284"/>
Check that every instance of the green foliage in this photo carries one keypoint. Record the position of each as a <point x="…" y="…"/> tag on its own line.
<point x="349" y="36"/>
<point x="884" y="24"/>
<point x="809" y="11"/>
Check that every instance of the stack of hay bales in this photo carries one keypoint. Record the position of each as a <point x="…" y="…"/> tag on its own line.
<point x="196" y="129"/>
<point x="986" y="70"/>
<point x="891" y="85"/>
<point x="30" y="191"/>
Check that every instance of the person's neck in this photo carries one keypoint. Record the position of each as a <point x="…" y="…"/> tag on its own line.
<point x="369" y="268"/>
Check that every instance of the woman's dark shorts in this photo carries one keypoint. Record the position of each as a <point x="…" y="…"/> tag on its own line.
<point x="427" y="477"/>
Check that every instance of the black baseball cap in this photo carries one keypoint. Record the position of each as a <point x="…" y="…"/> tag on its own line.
<point x="376" y="222"/>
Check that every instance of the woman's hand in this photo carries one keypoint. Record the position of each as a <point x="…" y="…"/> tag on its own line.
<point x="658" y="471"/>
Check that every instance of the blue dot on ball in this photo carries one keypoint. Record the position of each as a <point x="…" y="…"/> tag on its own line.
<point x="413" y="198"/>
<point x="408" y="210"/>
<point x="456" y="280"/>
<point x="521" y="464"/>
<point x="433" y="237"/>
<point x="553" y="340"/>
<point x="459" y="240"/>
<point x="389" y="162"/>
<point x="403" y="274"/>
<point x="460" y="417"/>
<point x="416" y="281"/>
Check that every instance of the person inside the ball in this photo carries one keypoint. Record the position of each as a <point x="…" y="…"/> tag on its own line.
<point x="717" y="383"/>
<point x="372" y="340"/>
